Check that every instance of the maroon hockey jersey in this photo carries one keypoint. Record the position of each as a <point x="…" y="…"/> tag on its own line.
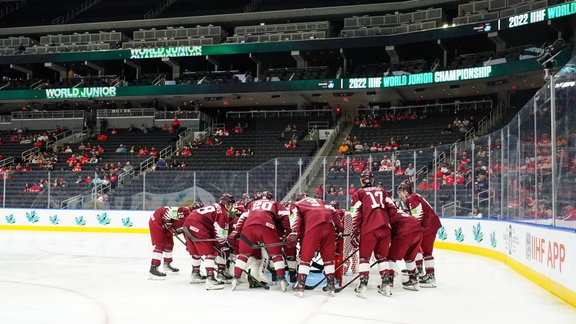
<point x="210" y="221"/>
<point x="422" y="210"/>
<point x="309" y="213"/>
<point x="264" y="212"/>
<point x="371" y="208"/>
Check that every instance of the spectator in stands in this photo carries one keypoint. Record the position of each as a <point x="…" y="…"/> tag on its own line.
<point x="423" y="185"/>
<point x="79" y="180"/>
<point x="176" y="126"/>
<point x="153" y="152"/>
<point x="185" y="152"/>
<point x="216" y="141"/>
<point x="96" y="181"/>
<point x="404" y="142"/>
<point x="475" y="213"/>
<point x="337" y="112"/>
<point x="409" y="172"/>
<point x="161" y="164"/>
<point x="343" y="148"/>
<point x="230" y="151"/>
<point x="569" y="212"/>
<point x="249" y="152"/>
<point x="127" y="167"/>
<point x="448" y="129"/>
<point x="352" y="189"/>
<point x="121" y="149"/>
<point x="290" y="145"/>
<point x="332" y="191"/>
<point x="144" y="129"/>
<point x="238" y="129"/>
<point x="221" y="132"/>
<point x="341" y="191"/>
<point x="320" y="192"/>
<point x="93" y="159"/>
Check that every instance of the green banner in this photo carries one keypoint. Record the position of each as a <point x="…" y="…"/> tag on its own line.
<point x="406" y="80"/>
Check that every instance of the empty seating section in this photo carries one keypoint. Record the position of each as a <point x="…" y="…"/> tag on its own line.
<point x="287" y="74"/>
<point x="172" y="37"/>
<point x="76" y="42"/>
<point x="392" y="23"/>
<point x="487" y="10"/>
<point x="280" y="32"/>
<point x="10" y="45"/>
<point x="215" y="77"/>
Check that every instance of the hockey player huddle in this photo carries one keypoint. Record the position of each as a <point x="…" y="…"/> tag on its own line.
<point x="251" y="235"/>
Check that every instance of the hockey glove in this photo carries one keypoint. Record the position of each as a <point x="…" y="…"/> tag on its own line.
<point x="292" y="239"/>
<point x="232" y="237"/>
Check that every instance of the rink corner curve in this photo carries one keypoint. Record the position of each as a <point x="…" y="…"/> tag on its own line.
<point x="544" y="255"/>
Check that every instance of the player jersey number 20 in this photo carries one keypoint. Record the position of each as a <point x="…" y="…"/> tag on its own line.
<point x="262" y="205"/>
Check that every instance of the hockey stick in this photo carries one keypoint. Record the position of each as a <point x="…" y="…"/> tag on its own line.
<point x="258" y="246"/>
<point x="192" y="238"/>
<point x="337" y="267"/>
<point x="351" y="281"/>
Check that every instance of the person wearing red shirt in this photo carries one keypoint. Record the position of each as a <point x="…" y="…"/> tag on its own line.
<point x="72" y="160"/>
<point x="423" y="185"/>
<point x="352" y="190"/>
<point x="186" y="152"/>
<point x="230" y="151"/>
<point x="77" y="168"/>
<point x="449" y="180"/>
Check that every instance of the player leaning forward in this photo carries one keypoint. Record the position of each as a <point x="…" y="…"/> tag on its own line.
<point x="206" y="232"/>
<point x="371" y="212"/>
<point x="162" y="224"/>
<point x="316" y="224"/>
<point x="430" y="223"/>
<point x="260" y="224"/>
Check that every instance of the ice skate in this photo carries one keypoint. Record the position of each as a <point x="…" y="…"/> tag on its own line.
<point x="213" y="284"/>
<point x="284" y="285"/>
<point x="362" y="287"/>
<point x="386" y="287"/>
<point x="428" y="281"/>
<point x="169" y="269"/>
<point x="330" y="288"/>
<point x="196" y="278"/>
<point x="223" y="277"/>
<point x="411" y="283"/>
<point x="300" y="284"/>
<point x="156" y="274"/>
<point x="235" y="283"/>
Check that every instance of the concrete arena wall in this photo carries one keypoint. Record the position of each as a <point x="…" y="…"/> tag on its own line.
<point x="543" y="254"/>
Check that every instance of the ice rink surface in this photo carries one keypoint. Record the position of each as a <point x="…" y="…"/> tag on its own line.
<point x="62" y="278"/>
